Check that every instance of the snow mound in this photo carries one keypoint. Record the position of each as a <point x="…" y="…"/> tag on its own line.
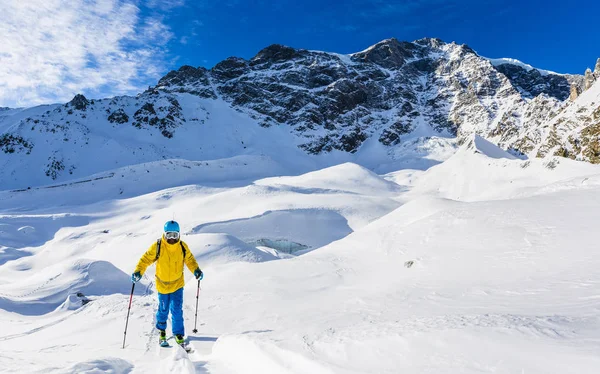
<point x="222" y="248"/>
<point x="50" y="288"/>
<point x="348" y="177"/>
<point x="311" y="228"/>
<point x="101" y="278"/>
<point x="178" y="362"/>
<point x="34" y="230"/>
<point x="73" y="302"/>
<point x="482" y="171"/>
<point x="10" y="254"/>
<point x="107" y="365"/>
<point x="477" y="144"/>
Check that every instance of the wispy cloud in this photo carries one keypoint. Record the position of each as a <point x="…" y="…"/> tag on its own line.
<point x="164" y="4"/>
<point x="53" y="49"/>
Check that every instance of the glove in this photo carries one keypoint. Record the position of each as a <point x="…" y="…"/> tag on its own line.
<point x="135" y="277"/>
<point x="198" y="274"/>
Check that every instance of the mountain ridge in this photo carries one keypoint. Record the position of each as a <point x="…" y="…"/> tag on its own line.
<point x="360" y="107"/>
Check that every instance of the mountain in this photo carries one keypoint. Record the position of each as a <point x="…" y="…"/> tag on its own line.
<point x="474" y="254"/>
<point x="483" y="263"/>
<point x="393" y="105"/>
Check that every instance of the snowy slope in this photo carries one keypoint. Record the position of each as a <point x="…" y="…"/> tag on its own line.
<point x="467" y="267"/>
<point x="221" y="224"/>
<point x="462" y="257"/>
<point x="479" y="170"/>
<point x="87" y="143"/>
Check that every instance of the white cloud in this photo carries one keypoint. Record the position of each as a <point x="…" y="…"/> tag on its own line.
<point x="52" y="49"/>
<point x="165" y="4"/>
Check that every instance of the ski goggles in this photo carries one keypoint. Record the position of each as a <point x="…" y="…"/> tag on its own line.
<point x="172" y="235"/>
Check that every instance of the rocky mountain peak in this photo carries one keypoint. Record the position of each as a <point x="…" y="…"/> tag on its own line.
<point x="389" y="53"/>
<point x="230" y="68"/>
<point x="430" y="42"/>
<point x="335" y="102"/>
<point x="276" y="53"/>
<point x="185" y="74"/>
<point x="79" y="102"/>
<point x="187" y="79"/>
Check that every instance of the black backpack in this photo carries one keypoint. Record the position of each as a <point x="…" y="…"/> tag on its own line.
<point x="158" y="249"/>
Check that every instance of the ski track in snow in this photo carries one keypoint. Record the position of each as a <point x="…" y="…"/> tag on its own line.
<point x="481" y="264"/>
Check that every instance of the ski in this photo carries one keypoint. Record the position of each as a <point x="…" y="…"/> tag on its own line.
<point x="187" y="348"/>
<point x="185" y="345"/>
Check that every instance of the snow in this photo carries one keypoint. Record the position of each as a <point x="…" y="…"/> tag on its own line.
<point x="480" y="170"/>
<point x="512" y="61"/>
<point x="503" y="279"/>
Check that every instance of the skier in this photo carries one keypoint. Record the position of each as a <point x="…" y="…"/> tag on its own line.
<point x="169" y="253"/>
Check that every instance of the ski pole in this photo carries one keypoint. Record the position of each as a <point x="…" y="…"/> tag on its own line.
<point x="197" y="294"/>
<point x="128" y="310"/>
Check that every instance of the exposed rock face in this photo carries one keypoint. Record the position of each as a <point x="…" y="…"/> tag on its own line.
<point x="162" y="112"/>
<point x="574" y="132"/>
<point x="575" y="92"/>
<point x="118" y="116"/>
<point x="14" y="143"/>
<point x="187" y="79"/>
<point x="597" y="68"/>
<point x="532" y="83"/>
<point x="390" y="54"/>
<point x="393" y="89"/>
<point x="336" y="102"/>
<point x="79" y="102"/>
<point x="589" y="79"/>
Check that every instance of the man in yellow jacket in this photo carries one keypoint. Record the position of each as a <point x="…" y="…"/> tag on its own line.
<point x="169" y="253"/>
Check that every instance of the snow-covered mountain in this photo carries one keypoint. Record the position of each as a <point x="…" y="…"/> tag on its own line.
<point x="467" y="267"/>
<point x="408" y="208"/>
<point x="395" y="104"/>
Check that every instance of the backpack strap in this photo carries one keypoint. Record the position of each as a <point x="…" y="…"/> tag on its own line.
<point x="157" y="249"/>
<point x="182" y="249"/>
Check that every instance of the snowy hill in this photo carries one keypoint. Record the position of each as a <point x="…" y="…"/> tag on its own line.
<point x="394" y="105"/>
<point x="409" y="208"/>
<point x="481" y="171"/>
<point x="467" y="267"/>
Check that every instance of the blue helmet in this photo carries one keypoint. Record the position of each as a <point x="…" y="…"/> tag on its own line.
<point x="171" y="226"/>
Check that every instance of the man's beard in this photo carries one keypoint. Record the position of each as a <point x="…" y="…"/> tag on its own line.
<point x="172" y="241"/>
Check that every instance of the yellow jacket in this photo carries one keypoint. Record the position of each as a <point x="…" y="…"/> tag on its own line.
<point x="169" y="267"/>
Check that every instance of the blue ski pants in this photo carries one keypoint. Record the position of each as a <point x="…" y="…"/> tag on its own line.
<point x="173" y="302"/>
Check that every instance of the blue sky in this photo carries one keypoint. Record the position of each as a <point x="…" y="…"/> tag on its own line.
<point x="554" y="35"/>
<point x="50" y="51"/>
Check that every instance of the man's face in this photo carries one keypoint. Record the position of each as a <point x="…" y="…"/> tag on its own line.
<point x="172" y="237"/>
